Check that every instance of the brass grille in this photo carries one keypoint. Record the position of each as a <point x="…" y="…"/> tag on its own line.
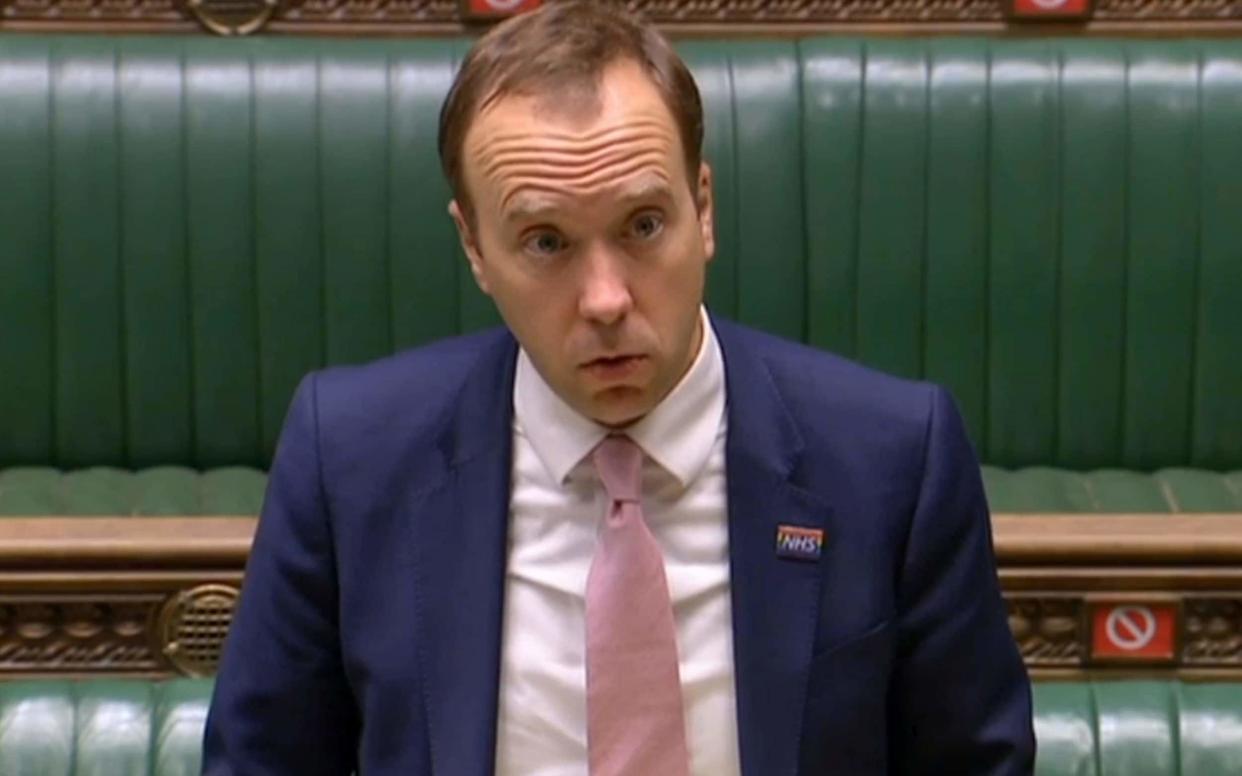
<point x="193" y="626"/>
<point x="232" y="17"/>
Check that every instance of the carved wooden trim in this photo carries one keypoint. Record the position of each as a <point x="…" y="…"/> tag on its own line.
<point x="132" y="596"/>
<point x="1056" y="631"/>
<point x="1213" y="631"/>
<point x="1048" y="629"/>
<point x="677" y="17"/>
<point x="77" y="634"/>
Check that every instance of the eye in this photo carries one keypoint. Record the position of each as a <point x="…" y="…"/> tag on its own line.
<point x="647" y="225"/>
<point x="544" y="243"/>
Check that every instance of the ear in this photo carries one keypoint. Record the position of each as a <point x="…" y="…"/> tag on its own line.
<point x="469" y="246"/>
<point x="707" y="216"/>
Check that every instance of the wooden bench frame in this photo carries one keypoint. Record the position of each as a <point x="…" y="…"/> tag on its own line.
<point x="151" y="596"/>
<point x="731" y="18"/>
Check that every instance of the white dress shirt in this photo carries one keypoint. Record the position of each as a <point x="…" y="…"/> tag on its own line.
<point x="556" y="507"/>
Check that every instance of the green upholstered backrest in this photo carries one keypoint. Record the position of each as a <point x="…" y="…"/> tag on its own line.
<point x="129" y="727"/>
<point x="1150" y="728"/>
<point x="236" y="490"/>
<point x="102" y="727"/>
<point x="1051" y="228"/>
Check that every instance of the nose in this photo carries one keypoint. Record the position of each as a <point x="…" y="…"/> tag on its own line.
<point x="605" y="294"/>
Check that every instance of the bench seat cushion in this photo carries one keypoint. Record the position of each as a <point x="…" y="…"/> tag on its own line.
<point x="161" y="490"/>
<point x="1150" y="728"/>
<point x="110" y="727"/>
<point x="102" y="727"/>
<point x="174" y="490"/>
<point x="1044" y="490"/>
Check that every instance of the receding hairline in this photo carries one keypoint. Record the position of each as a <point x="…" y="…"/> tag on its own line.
<point x="582" y="39"/>
<point x="665" y="120"/>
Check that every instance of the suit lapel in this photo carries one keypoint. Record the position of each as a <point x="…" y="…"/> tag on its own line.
<point x="461" y="532"/>
<point x="461" y="526"/>
<point x="776" y="600"/>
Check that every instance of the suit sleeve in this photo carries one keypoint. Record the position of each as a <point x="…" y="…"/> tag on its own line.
<point x="281" y="704"/>
<point x="961" y="698"/>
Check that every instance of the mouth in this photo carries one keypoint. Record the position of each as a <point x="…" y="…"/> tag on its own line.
<point x="613" y="367"/>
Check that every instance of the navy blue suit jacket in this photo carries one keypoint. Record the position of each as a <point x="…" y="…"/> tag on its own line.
<point x="368" y="632"/>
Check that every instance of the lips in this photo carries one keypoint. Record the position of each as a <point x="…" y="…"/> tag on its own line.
<point x="613" y="367"/>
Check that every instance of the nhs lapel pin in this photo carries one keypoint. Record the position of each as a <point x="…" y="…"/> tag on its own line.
<point x="799" y="543"/>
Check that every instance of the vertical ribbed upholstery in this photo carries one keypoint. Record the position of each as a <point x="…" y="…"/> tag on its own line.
<point x="711" y="67"/>
<point x="158" y="379"/>
<point x="891" y="217"/>
<point x="1065" y="730"/>
<point x="102" y="727"/>
<point x="1046" y="226"/>
<point x="753" y="142"/>
<point x="112" y="727"/>
<point x="88" y="301"/>
<point x="1092" y="284"/>
<point x="1216" y="410"/>
<point x="1137" y="728"/>
<point x="190" y="225"/>
<point x="1162" y="253"/>
<point x="135" y="727"/>
<point x="427" y="272"/>
<point x="37" y="734"/>
<point x="1023" y="211"/>
<point x="832" y="91"/>
<point x="956" y="254"/>
<point x="26" y="294"/>
<point x="221" y="226"/>
<point x="767" y="207"/>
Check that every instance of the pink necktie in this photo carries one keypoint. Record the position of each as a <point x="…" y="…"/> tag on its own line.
<point x="635" y="722"/>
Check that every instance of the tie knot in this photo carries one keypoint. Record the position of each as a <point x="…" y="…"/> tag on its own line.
<point x="619" y="462"/>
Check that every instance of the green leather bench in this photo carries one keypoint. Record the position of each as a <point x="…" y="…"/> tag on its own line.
<point x="238" y="490"/>
<point x="1048" y="227"/>
<point x="126" y="728"/>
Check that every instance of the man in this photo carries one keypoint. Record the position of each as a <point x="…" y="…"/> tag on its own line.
<point x="620" y="536"/>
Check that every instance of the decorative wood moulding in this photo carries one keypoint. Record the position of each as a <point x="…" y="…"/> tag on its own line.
<point x="678" y="17"/>
<point x="1103" y="595"/>
<point x="139" y="596"/>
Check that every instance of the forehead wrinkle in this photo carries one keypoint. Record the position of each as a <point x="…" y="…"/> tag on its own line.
<point x="491" y="159"/>
<point x="524" y="199"/>
<point x="584" y="169"/>
<point x="485" y="147"/>
<point x="579" y="185"/>
<point x="571" y="159"/>
<point x="537" y="142"/>
<point x="597" y="136"/>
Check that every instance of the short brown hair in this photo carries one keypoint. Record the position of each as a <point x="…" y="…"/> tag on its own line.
<point x="564" y="45"/>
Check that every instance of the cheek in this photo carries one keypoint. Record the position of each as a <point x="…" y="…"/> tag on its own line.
<point x="539" y="310"/>
<point x="681" y="270"/>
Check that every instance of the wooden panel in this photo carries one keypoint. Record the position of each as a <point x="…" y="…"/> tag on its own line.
<point x="724" y="18"/>
<point x="1198" y="539"/>
<point x="145" y="596"/>
<point x="78" y="543"/>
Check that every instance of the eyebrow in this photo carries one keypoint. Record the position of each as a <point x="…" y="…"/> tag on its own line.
<point x="529" y="206"/>
<point x="534" y="205"/>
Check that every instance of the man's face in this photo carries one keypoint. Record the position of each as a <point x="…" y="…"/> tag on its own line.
<point x="589" y="239"/>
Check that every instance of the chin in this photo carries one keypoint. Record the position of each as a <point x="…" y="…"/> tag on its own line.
<point x="620" y="406"/>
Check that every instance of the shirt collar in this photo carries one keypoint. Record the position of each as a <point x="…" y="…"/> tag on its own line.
<point x="678" y="434"/>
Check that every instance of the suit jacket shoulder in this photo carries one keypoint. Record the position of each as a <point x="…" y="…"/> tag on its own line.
<point x="817" y="380"/>
<point x="845" y="414"/>
<point x="403" y="408"/>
